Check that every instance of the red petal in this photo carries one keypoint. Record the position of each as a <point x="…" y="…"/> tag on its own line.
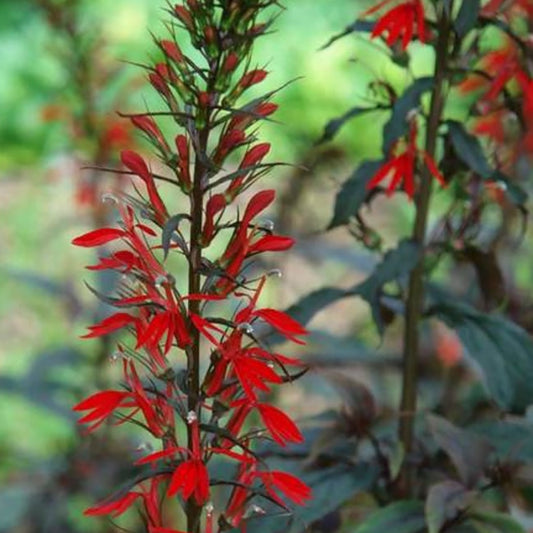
<point x="98" y="237"/>
<point x="255" y="155"/>
<point x="115" y="508"/>
<point x="109" y="324"/>
<point x="253" y="77"/>
<point x="109" y="398"/>
<point x="271" y="243"/>
<point x="280" y="426"/>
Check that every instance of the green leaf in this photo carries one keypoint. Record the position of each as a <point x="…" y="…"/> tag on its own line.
<point x="444" y="502"/>
<point x="468" y="451"/>
<point x="498" y="347"/>
<point x="467" y="17"/>
<point x="333" y="126"/>
<point x="397" y="126"/>
<point x="399" y="517"/>
<point x="171" y="226"/>
<point x="357" y="26"/>
<point x="396" y="263"/>
<point x="305" y="309"/>
<point x="511" y="439"/>
<point x="468" y="149"/>
<point x="353" y="193"/>
<point x="495" y="523"/>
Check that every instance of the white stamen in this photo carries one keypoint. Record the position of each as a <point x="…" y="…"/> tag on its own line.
<point x="209" y="508"/>
<point x="257" y="510"/>
<point x="191" y="417"/>
<point x="276" y="272"/>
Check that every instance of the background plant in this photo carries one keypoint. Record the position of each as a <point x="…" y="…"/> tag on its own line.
<point x="451" y="466"/>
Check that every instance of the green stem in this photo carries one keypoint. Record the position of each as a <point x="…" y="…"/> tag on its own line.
<point x="415" y="298"/>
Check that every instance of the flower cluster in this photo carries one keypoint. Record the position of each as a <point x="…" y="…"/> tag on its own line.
<point x="402" y="165"/>
<point x="502" y="83"/>
<point x="220" y="401"/>
<point x="401" y="23"/>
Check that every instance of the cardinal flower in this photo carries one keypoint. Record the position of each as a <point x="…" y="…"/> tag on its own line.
<point x="401" y="22"/>
<point x="501" y="66"/>
<point x="402" y="167"/>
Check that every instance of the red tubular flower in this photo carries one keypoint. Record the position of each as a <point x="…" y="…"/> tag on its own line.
<point x="98" y="237"/>
<point x="502" y="66"/>
<point x="101" y="406"/>
<point x="290" y="486"/>
<point x="110" y="325"/>
<point x="282" y="429"/>
<point x="149" y="127"/>
<point x="252" y="78"/>
<point x="401" y="22"/>
<point x="510" y="10"/>
<point x="114" y="508"/>
<point x="137" y="165"/>
<point x="167" y="324"/>
<point x="403" y="166"/>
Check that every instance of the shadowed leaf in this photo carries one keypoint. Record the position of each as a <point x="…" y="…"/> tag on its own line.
<point x="467" y="451"/>
<point x="399" y="517"/>
<point x="397" y="126"/>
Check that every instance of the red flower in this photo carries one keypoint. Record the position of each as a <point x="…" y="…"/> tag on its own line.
<point x="101" y="406"/>
<point x="98" y="237"/>
<point x="114" y="508"/>
<point x="252" y="78"/>
<point x="290" y="486"/>
<point x="502" y="66"/>
<point x="137" y="165"/>
<point x="510" y="9"/>
<point x="147" y="125"/>
<point x="401" y="22"/>
<point x="109" y="325"/>
<point x="281" y="427"/>
<point x="402" y="168"/>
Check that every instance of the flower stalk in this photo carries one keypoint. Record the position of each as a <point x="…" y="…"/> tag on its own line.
<point x="227" y="387"/>
<point x="415" y="296"/>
